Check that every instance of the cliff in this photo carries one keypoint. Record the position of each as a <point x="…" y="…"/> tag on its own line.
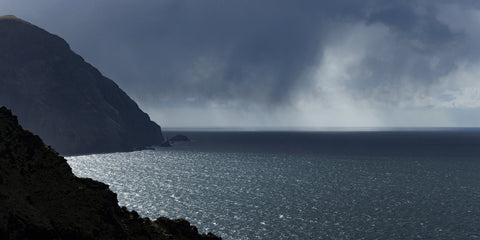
<point x="65" y="100"/>
<point x="40" y="198"/>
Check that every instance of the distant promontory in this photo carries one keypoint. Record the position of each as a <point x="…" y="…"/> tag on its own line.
<point x="65" y="100"/>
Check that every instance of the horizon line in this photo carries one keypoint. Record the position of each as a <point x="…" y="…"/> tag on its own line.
<point x="315" y="129"/>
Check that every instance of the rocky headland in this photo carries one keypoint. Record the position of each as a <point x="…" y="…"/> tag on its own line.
<point x="65" y="100"/>
<point x="40" y="197"/>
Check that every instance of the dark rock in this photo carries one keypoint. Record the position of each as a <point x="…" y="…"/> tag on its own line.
<point x="174" y="139"/>
<point x="166" y="144"/>
<point x="40" y="198"/>
<point x="64" y="99"/>
<point x="179" y="138"/>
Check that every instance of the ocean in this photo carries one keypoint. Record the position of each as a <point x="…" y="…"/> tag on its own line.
<point x="388" y="184"/>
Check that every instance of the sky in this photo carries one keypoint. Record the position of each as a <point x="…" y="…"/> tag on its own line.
<point x="277" y="63"/>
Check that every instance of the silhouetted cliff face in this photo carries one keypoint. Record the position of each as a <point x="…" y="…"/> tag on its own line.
<point x="40" y="198"/>
<point x="65" y="100"/>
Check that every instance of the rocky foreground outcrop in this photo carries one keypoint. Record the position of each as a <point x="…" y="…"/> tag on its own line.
<point x="65" y="100"/>
<point x="40" y="198"/>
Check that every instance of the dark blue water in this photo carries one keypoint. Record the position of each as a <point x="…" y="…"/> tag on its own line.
<point x="447" y="142"/>
<point x="306" y="185"/>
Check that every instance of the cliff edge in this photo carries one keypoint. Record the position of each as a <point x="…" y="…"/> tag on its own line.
<point x="65" y="100"/>
<point x="40" y="197"/>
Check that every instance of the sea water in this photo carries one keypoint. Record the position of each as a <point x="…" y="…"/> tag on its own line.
<point x="305" y="185"/>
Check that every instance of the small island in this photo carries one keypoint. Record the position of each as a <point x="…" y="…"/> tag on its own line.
<point x="174" y="139"/>
<point x="179" y="138"/>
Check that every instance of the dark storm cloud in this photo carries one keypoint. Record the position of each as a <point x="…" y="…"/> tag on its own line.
<point x="247" y="52"/>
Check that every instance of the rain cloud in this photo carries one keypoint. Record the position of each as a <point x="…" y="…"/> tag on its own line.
<point x="280" y="63"/>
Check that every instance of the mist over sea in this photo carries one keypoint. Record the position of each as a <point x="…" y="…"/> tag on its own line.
<point x="409" y="184"/>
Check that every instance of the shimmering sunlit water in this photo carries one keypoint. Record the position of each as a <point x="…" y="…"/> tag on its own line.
<point x="295" y="195"/>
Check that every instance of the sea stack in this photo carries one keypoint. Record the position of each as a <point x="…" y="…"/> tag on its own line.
<point x="40" y="198"/>
<point x="65" y="100"/>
